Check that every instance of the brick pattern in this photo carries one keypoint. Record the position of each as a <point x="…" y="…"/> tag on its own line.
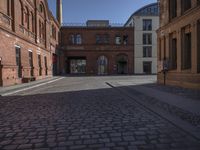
<point x="17" y="30"/>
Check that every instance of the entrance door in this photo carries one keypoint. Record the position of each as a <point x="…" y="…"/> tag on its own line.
<point x="102" y="65"/>
<point x="147" y="67"/>
<point x="122" y="64"/>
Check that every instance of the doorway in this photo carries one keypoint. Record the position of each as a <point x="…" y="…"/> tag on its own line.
<point x="102" y="65"/>
<point x="147" y="67"/>
<point x="122" y="64"/>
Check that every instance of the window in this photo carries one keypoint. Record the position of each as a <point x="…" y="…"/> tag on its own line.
<point x="198" y="46"/>
<point x="102" y="39"/>
<point x="45" y="65"/>
<point x="105" y="38"/>
<point x="147" y="51"/>
<point x="147" y="24"/>
<point x="186" y="50"/>
<point x="39" y="64"/>
<point x="186" y="4"/>
<point x="125" y="39"/>
<point x="78" y="39"/>
<point x="147" y="67"/>
<point x="31" y="62"/>
<point x="172" y="8"/>
<point x="147" y="38"/>
<point x="18" y="61"/>
<point x="198" y="2"/>
<point x="33" y="22"/>
<point x="118" y="40"/>
<point x="78" y="66"/>
<point x="26" y="18"/>
<point x="173" y="53"/>
<point x="53" y="32"/>
<point x="102" y="65"/>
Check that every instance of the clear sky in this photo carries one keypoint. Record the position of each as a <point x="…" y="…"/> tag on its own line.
<point x="117" y="11"/>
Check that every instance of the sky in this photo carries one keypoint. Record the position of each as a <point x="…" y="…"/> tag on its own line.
<point x="116" y="11"/>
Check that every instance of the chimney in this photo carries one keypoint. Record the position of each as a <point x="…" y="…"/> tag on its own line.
<point x="59" y="11"/>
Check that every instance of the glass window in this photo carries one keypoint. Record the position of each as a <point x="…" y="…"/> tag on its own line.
<point x="172" y="9"/>
<point x="78" y="39"/>
<point x="125" y="39"/>
<point x="147" y="38"/>
<point x="118" y="40"/>
<point x="147" y="51"/>
<point x="147" y="24"/>
<point x="186" y="4"/>
<point x="102" y="65"/>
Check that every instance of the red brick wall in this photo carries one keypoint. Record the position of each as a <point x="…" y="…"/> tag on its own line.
<point x="14" y="32"/>
<point x="92" y="51"/>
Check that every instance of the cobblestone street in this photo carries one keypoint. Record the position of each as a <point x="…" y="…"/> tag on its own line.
<point x="87" y="113"/>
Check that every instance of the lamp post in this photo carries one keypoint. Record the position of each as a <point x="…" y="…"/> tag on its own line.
<point x="165" y="69"/>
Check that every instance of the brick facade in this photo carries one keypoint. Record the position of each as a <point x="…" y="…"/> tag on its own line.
<point x="98" y="43"/>
<point x="178" y="42"/>
<point x="24" y="31"/>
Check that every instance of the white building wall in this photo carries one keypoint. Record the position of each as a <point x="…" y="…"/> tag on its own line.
<point x="138" y="42"/>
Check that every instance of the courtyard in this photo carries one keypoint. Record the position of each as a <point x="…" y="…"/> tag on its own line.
<point x="105" y="113"/>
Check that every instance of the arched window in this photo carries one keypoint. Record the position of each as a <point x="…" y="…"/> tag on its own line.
<point x="21" y="13"/>
<point x="26" y="18"/>
<point x="102" y="65"/>
<point x="32" y="22"/>
<point x="78" y="39"/>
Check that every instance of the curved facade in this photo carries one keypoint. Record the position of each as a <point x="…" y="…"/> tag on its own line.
<point x="145" y="22"/>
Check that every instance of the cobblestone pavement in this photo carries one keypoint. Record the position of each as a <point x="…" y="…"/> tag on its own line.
<point x="85" y="113"/>
<point x="189" y="93"/>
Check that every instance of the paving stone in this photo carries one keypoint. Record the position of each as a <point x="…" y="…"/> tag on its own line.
<point x="86" y="117"/>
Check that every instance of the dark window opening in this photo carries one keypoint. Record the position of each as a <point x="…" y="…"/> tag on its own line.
<point x="125" y="39"/>
<point x="147" y="38"/>
<point x="173" y="53"/>
<point x="147" y="51"/>
<point x="18" y="62"/>
<point x="31" y="62"/>
<point x="147" y="24"/>
<point x="172" y="8"/>
<point x="186" y="51"/>
<point x="186" y="4"/>
<point x="39" y="65"/>
<point x="198" y="47"/>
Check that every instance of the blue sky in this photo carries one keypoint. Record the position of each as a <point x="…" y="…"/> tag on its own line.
<point x="117" y="11"/>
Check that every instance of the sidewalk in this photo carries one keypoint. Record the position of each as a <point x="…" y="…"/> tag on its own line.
<point x="10" y="89"/>
<point x="184" y="112"/>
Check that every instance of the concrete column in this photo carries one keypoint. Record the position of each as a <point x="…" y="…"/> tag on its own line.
<point x="179" y="50"/>
<point x="194" y="46"/>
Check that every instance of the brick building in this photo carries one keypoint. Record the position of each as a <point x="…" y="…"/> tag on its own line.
<point x="178" y="42"/>
<point x="26" y="47"/>
<point x="97" y="49"/>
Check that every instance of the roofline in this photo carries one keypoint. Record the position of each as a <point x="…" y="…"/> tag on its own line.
<point x="139" y="10"/>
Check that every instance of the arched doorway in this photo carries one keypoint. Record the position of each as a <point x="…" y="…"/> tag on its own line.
<point x="122" y="64"/>
<point x="102" y="65"/>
